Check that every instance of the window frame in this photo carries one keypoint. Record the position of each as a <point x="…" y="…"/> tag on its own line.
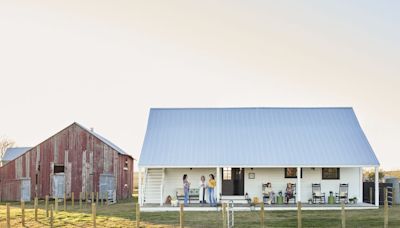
<point x="301" y="173"/>
<point x="329" y="178"/>
<point x="228" y="172"/>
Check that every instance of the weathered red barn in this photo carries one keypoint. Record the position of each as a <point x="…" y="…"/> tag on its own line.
<point x="75" y="159"/>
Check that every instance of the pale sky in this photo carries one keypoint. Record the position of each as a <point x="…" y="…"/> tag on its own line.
<point x="105" y="63"/>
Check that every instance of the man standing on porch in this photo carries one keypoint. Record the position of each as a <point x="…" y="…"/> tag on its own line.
<point x="211" y="185"/>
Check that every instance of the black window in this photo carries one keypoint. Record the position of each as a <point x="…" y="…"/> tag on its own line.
<point x="58" y="168"/>
<point x="292" y="173"/>
<point x="330" y="173"/>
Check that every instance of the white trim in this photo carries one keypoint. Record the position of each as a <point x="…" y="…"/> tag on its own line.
<point x="360" y="197"/>
<point x="140" y="200"/>
<point x="376" y="185"/>
<point x="293" y="208"/>
<point x="261" y="166"/>
<point x="298" y="186"/>
<point x="219" y="184"/>
<point x="162" y="188"/>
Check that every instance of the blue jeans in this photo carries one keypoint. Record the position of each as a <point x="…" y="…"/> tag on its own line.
<point x="211" y="196"/>
<point x="186" y="199"/>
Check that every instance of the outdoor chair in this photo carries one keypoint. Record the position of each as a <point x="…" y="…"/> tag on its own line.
<point x="293" y="196"/>
<point x="317" y="194"/>
<point x="267" y="195"/>
<point x="343" y="193"/>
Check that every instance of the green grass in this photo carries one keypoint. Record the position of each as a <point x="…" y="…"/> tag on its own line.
<point x="123" y="215"/>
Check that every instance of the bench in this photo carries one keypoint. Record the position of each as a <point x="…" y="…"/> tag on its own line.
<point x="193" y="194"/>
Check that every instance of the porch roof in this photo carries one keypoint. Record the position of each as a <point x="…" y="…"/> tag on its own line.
<point x="206" y="137"/>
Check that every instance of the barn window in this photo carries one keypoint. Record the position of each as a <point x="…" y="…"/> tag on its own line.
<point x="126" y="164"/>
<point x="330" y="173"/>
<point x="58" y="168"/>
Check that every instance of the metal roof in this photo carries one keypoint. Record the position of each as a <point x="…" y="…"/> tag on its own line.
<point x="255" y="137"/>
<point x="14" y="152"/>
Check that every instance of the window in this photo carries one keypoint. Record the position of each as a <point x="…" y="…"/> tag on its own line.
<point x="58" y="168"/>
<point x="330" y="173"/>
<point x="292" y="173"/>
<point x="126" y="165"/>
<point x="227" y="173"/>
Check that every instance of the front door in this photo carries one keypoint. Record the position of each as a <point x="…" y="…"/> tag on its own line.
<point x="232" y="181"/>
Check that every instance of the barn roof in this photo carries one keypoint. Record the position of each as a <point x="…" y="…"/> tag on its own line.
<point x="14" y="152"/>
<point x="101" y="138"/>
<point x="255" y="137"/>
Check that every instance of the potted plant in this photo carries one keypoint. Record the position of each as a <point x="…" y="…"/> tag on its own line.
<point x="330" y="193"/>
<point x="354" y="200"/>
<point x="309" y="201"/>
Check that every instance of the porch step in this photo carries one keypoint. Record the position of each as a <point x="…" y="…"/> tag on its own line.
<point x="235" y="199"/>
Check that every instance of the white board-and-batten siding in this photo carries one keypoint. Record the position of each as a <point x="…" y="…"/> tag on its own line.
<point x="351" y="176"/>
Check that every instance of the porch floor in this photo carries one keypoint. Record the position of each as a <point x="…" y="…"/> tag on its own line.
<point x="247" y="207"/>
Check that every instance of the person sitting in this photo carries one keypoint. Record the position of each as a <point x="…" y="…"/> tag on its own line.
<point x="289" y="192"/>
<point x="269" y="193"/>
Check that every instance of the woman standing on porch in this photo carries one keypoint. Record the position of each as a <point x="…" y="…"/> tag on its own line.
<point x="202" y="192"/>
<point x="211" y="185"/>
<point x="186" y="186"/>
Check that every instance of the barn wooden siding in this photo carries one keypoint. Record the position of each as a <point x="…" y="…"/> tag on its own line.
<point x="85" y="158"/>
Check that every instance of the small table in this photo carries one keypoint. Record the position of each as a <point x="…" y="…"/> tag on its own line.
<point x="331" y="200"/>
<point x="279" y="200"/>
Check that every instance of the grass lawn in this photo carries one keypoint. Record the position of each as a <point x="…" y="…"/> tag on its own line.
<point x="123" y="215"/>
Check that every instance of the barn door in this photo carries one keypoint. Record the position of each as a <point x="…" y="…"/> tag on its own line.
<point x="107" y="184"/>
<point x="25" y="189"/>
<point x="58" y="185"/>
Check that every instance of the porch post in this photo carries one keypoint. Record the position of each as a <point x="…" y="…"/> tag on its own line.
<point x="162" y="187"/>
<point x="361" y="185"/>
<point x="376" y="185"/>
<point x="219" y="183"/>
<point x="298" y="185"/>
<point x="140" y="187"/>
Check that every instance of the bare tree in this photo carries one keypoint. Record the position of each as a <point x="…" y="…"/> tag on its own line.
<point x="4" y="144"/>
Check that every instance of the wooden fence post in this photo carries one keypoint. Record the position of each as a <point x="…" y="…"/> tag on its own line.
<point x="36" y="208"/>
<point x="101" y="198"/>
<point x="56" y="204"/>
<point x="262" y="214"/>
<point x="299" y="225"/>
<point x="51" y="216"/>
<point x="385" y="209"/>
<point x="343" y="216"/>
<point x="65" y="202"/>
<point x="94" y="214"/>
<point x="137" y="215"/>
<point x="181" y="216"/>
<point x="107" y="198"/>
<point x="92" y="197"/>
<point x="23" y="212"/>
<point x="224" y="224"/>
<point x="80" y="200"/>
<point x="47" y="205"/>
<point x="72" y="200"/>
<point x="97" y="198"/>
<point x="8" y="216"/>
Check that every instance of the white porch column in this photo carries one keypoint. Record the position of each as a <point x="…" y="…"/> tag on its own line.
<point x="162" y="187"/>
<point x="140" y="187"/>
<point x="298" y="185"/>
<point x="360" y="194"/>
<point x="376" y="185"/>
<point x="219" y="184"/>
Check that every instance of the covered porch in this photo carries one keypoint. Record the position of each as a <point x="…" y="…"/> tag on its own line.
<point x="244" y="186"/>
